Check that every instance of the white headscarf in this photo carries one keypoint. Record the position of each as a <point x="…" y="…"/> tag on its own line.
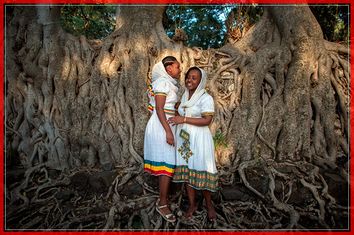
<point x="185" y="103"/>
<point x="159" y="71"/>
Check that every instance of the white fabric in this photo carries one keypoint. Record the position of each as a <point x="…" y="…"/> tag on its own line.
<point x="159" y="71"/>
<point x="185" y="103"/>
<point x="201" y="140"/>
<point x="164" y="86"/>
<point x="155" y="146"/>
<point x="163" y="82"/>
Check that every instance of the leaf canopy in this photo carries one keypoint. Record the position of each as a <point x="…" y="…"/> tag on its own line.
<point x="206" y="26"/>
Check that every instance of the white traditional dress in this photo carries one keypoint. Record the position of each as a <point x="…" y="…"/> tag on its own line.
<point x="195" y="162"/>
<point x="160" y="157"/>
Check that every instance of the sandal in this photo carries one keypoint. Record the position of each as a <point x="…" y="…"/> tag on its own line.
<point x="169" y="217"/>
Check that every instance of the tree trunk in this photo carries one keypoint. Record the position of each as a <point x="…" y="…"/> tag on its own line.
<point x="73" y="104"/>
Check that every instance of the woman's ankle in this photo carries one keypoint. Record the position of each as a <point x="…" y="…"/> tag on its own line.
<point x="190" y="211"/>
<point x="163" y="201"/>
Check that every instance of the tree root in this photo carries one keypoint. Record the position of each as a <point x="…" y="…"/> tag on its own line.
<point x="79" y="110"/>
<point x="321" y="202"/>
<point x="139" y="213"/>
<point x="241" y="171"/>
<point x="294" y="215"/>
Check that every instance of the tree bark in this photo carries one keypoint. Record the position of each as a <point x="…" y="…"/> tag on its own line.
<point x="281" y="95"/>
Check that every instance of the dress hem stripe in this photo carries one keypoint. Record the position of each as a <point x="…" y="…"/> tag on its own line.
<point x="158" y="173"/>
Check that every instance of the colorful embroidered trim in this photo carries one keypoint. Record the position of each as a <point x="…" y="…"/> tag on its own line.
<point x="160" y="93"/>
<point x="158" y="168"/>
<point x="201" y="180"/>
<point x="184" y="149"/>
<point x="207" y="114"/>
<point x="150" y="107"/>
<point x="167" y="111"/>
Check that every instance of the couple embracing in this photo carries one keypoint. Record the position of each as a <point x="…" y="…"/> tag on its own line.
<point x="178" y="144"/>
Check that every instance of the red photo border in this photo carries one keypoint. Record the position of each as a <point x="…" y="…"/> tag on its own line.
<point x="154" y="2"/>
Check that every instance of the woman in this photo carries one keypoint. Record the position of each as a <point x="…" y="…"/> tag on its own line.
<point x="159" y="141"/>
<point x="195" y="163"/>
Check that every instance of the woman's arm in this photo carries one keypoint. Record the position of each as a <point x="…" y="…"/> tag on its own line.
<point x="176" y="108"/>
<point x="203" y="121"/>
<point x="160" y="103"/>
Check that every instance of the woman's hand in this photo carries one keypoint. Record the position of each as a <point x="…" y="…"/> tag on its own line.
<point x="176" y="120"/>
<point x="169" y="138"/>
<point x="197" y="121"/>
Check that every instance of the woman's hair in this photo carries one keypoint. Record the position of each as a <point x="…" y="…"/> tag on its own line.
<point x="193" y="68"/>
<point x="168" y="60"/>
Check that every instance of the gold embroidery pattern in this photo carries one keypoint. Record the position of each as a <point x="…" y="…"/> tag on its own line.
<point x="201" y="180"/>
<point x="184" y="149"/>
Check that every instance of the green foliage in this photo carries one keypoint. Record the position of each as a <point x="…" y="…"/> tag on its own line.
<point x="244" y="15"/>
<point x="204" y="25"/>
<point x="334" y="21"/>
<point x="208" y="26"/>
<point x="93" y="21"/>
<point x="220" y="140"/>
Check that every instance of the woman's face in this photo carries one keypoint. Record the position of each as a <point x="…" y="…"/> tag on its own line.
<point x="192" y="80"/>
<point x="174" y="70"/>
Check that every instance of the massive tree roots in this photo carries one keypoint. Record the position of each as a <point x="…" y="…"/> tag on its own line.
<point x="74" y="128"/>
<point x="122" y="200"/>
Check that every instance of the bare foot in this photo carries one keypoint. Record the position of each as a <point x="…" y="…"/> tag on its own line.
<point x="189" y="213"/>
<point x="211" y="213"/>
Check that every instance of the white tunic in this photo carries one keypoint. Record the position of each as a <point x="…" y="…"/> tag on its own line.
<point x="160" y="157"/>
<point x="199" y="171"/>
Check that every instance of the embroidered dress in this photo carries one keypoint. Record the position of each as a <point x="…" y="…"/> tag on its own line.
<point x="195" y="162"/>
<point x="160" y="157"/>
